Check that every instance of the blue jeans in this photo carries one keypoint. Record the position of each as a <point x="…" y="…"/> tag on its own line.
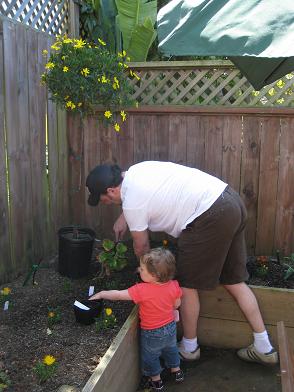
<point x="156" y="343"/>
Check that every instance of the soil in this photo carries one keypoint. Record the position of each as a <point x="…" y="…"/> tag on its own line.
<point x="77" y="348"/>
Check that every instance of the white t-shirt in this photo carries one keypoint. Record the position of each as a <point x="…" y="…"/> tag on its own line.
<point x="164" y="196"/>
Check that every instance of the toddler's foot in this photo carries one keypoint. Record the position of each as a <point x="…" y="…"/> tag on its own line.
<point x="178" y="375"/>
<point x="156" y="385"/>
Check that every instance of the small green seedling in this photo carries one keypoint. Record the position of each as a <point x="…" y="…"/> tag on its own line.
<point x="54" y="316"/>
<point x="4" y="381"/>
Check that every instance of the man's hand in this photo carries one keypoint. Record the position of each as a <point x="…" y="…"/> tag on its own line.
<point x="120" y="227"/>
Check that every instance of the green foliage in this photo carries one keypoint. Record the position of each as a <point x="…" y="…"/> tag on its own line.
<point x="98" y="20"/>
<point x="4" y="381"/>
<point x="136" y="20"/>
<point x="81" y="76"/>
<point x="288" y="261"/>
<point x="45" y="369"/>
<point x="261" y="271"/>
<point x="113" y="257"/>
<point x="54" y="316"/>
<point x="106" y="320"/>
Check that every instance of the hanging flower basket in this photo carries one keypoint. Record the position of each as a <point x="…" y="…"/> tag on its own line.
<point x="81" y="76"/>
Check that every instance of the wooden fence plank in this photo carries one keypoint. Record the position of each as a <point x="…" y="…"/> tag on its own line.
<point x="213" y="126"/>
<point x="5" y="255"/>
<point x="231" y="151"/>
<point x="249" y="175"/>
<point x="195" y="142"/>
<point x="159" y="144"/>
<point x="142" y="126"/>
<point x="267" y="189"/>
<point x="37" y="119"/>
<point x="177" y="139"/>
<point x="284" y="231"/>
<point x="18" y="142"/>
<point x="91" y="159"/>
<point x="76" y="169"/>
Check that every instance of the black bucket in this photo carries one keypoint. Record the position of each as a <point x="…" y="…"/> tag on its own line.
<point x="75" y="251"/>
<point x="87" y="317"/>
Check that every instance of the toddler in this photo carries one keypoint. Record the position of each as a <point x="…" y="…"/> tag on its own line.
<point x="157" y="297"/>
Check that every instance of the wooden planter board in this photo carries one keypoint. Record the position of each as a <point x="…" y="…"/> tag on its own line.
<point x="221" y="324"/>
<point x="118" y="371"/>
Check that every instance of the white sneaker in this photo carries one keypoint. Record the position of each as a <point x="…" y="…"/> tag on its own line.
<point x="187" y="355"/>
<point x="250" y="354"/>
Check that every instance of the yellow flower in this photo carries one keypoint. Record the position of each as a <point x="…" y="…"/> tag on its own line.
<point x="63" y="57"/>
<point x="68" y="104"/>
<point x="101" y="42"/>
<point x="128" y="59"/>
<point x="85" y="71"/>
<point x="67" y="41"/>
<point x="79" y="43"/>
<point x="124" y="53"/>
<point x="49" y="360"/>
<point x="65" y="69"/>
<point x="107" y="114"/>
<point x="79" y="104"/>
<point x="120" y="54"/>
<point x="55" y="46"/>
<point x="116" y="127"/>
<point x="121" y="64"/>
<point x="45" y="52"/>
<point x="123" y="115"/>
<point x="49" y="65"/>
<point x="114" y="86"/>
<point x="51" y="314"/>
<point x="108" y="311"/>
<point x="104" y="79"/>
<point x="66" y="98"/>
<point x="6" y="291"/>
<point x="280" y="101"/>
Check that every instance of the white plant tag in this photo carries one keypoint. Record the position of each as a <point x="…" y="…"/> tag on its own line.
<point x="81" y="306"/>
<point x="6" y="305"/>
<point x="91" y="291"/>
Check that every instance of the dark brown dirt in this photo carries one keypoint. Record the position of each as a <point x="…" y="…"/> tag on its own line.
<point x="77" y="348"/>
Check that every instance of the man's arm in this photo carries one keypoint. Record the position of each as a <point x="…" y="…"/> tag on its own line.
<point x="140" y="242"/>
<point x="120" y="227"/>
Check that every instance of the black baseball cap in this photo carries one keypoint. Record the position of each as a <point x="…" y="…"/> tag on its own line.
<point x="101" y="178"/>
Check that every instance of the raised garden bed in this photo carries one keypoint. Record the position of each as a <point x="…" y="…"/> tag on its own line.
<point x="83" y="355"/>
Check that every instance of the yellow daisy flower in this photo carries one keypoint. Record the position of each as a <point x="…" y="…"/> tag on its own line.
<point x="85" y="71"/>
<point x="107" y="114"/>
<point x="49" y="65"/>
<point x="65" y="69"/>
<point x="6" y="291"/>
<point x="49" y="360"/>
<point x="101" y="42"/>
<point x="123" y="115"/>
<point x="116" y="127"/>
<point x="108" y="311"/>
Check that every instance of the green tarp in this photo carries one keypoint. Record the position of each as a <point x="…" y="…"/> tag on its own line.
<point x="256" y="35"/>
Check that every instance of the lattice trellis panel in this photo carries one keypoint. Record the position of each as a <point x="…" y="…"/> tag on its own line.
<point x="219" y="83"/>
<point x="50" y="16"/>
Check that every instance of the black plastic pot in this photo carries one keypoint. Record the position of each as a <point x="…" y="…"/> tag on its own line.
<point x="75" y="251"/>
<point x="87" y="317"/>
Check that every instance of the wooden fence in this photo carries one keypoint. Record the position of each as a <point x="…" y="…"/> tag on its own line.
<point x="33" y="150"/>
<point x="251" y="149"/>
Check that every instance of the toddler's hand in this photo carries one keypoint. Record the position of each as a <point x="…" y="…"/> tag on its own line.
<point x="95" y="296"/>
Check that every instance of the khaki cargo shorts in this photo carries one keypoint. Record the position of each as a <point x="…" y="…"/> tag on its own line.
<point x="212" y="249"/>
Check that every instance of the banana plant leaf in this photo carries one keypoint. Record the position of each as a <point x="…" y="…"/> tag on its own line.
<point x="256" y="35"/>
<point x="136" y="19"/>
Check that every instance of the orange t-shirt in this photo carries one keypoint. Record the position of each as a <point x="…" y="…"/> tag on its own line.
<point x="156" y="302"/>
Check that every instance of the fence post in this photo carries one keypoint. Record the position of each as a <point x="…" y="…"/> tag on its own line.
<point x="74" y="19"/>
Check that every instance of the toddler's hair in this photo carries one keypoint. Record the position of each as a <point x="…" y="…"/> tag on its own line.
<point x="161" y="263"/>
